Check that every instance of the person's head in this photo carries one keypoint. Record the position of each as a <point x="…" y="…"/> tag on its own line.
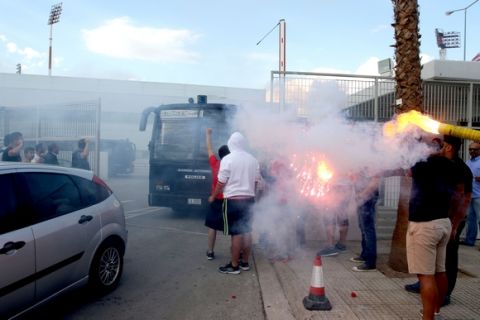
<point x="15" y="139"/>
<point x="223" y="151"/>
<point x="474" y="149"/>
<point x="450" y="147"/>
<point x="6" y="140"/>
<point x="53" y="148"/>
<point x="40" y="149"/>
<point x="81" y="144"/>
<point x="29" y="152"/>
<point x="237" y="142"/>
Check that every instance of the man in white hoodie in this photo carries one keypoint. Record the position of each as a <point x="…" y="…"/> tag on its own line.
<point x="237" y="178"/>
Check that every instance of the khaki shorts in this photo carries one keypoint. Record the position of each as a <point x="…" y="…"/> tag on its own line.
<point x="426" y="246"/>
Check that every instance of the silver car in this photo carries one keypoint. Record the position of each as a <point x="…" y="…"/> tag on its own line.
<point x="60" y="228"/>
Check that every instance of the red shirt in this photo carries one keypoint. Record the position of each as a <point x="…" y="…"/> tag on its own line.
<point x="214" y="166"/>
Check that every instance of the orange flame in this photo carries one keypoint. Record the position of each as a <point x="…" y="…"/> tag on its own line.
<point x="405" y="120"/>
<point x="324" y="173"/>
<point x="312" y="175"/>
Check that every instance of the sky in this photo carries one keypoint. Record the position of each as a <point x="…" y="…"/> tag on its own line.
<point x="214" y="42"/>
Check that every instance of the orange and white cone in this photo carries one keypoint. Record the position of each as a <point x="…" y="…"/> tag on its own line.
<point x="316" y="299"/>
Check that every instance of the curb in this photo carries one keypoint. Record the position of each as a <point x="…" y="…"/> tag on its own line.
<point x="275" y="303"/>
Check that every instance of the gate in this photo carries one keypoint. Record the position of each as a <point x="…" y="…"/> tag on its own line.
<point x="63" y="124"/>
<point x="372" y="98"/>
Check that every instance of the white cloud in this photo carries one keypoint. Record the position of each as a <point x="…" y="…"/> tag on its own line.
<point x="27" y="53"/>
<point x="369" y="67"/>
<point x="3" y="38"/>
<point x="11" y="47"/>
<point x="119" y="38"/>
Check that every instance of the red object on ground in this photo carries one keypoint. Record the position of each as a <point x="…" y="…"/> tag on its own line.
<point x="354" y="294"/>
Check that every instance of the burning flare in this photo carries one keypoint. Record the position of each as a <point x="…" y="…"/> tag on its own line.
<point x="313" y="174"/>
<point x="405" y="120"/>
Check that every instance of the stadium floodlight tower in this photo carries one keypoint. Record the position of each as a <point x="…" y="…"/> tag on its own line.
<point x="54" y="18"/>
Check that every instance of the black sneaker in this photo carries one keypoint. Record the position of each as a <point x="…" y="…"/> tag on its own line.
<point x="446" y="301"/>
<point x="357" y="259"/>
<point x="244" y="266"/>
<point x="340" y="247"/>
<point x="229" y="269"/>
<point x="210" y="255"/>
<point x="414" y="287"/>
<point x="327" y="252"/>
<point x="364" y="267"/>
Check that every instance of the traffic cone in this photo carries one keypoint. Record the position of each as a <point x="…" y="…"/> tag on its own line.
<point x="316" y="299"/>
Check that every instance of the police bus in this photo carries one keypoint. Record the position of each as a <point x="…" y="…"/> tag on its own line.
<point x="180" y="176"/>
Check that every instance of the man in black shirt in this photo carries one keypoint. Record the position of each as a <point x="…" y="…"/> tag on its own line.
<point x="51" y="156"/>
<point x="14" y="143"/>
<point x="80" y="156"/>
<point x="436" y="203"/>
<point x="457" y="218"/>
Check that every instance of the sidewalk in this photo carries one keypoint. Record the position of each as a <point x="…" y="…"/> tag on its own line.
<point x="285" y="284"/>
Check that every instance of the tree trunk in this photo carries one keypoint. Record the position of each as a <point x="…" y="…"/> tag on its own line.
<point x="409" y="95"/>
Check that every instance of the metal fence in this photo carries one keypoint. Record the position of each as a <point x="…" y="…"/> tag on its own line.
<point x="372" y="98"/>
<point x="63" y="124"/>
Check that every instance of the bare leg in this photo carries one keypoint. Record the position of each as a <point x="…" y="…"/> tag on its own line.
<point x="343" y="234"/>
<point x="330" y="229"/>
<point x="442" y="287"/>
<point x="212" y="236"/>
<point x="237" y="243"/>
<point x="429" y="295"/>
<point x="247" y="245"/>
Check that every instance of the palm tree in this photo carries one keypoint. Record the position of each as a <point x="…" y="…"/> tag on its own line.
<point x="409" y="96"/>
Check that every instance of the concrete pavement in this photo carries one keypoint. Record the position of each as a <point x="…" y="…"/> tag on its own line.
<point x="379" y="295"/>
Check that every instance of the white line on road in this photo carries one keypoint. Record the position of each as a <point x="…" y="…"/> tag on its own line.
<point x="142" y="210"/>
<point x="139" y="212"/>
<point x="127" y="201"/>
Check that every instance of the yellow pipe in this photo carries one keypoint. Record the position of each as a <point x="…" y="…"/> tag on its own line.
<point x="459" y="132"/>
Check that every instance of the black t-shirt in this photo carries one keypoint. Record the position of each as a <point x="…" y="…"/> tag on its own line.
<point x="7" y="157"/>
<point x="434" y="182"/>
<point x="78" y="161"/>
<point x="467" y="176"/>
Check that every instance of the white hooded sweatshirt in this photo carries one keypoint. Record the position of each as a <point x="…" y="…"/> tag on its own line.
<point x="239" y="170"/>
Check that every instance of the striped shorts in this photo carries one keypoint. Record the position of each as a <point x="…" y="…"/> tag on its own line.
<point x="237" y="216"/>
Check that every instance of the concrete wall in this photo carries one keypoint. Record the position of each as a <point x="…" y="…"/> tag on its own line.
<point x="121" y="101"/>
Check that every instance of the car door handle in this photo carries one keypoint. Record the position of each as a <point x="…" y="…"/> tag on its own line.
<point x="84" y="219"/>
<point x="12" y="246"/>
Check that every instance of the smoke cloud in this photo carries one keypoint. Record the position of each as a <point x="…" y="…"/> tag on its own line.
<point x="348" y="148"/>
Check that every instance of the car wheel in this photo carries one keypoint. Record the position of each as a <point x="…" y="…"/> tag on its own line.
<point x="107" y="266"/>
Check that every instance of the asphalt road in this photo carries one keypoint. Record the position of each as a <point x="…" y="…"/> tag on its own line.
<point x="166" y="274"/>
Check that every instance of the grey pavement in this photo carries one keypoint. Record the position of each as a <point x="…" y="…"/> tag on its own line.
<point x="378" y="295"/>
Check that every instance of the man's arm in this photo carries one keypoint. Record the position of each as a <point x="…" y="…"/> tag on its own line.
<point x="218" y="189"/>
<point x="369" y="189"/>
<point x="208" y="137"/>
<point x="458" y="208"/>
<point x="84" y="153"/>
<point x="16" y="150"/>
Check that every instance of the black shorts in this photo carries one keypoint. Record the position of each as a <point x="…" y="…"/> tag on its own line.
<point x="237" y="216"/>
<point x="214" y="217"/>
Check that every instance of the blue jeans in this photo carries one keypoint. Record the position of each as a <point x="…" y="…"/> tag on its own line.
<point x="472" y="221"/>
<point x="366" y="222"/>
